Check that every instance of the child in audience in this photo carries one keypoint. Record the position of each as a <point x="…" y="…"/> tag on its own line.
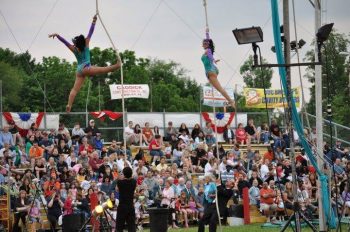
<point x="193" y="207"/>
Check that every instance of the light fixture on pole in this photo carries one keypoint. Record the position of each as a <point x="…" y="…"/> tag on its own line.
<point x="250" y="35"/>
<point x="322" y="35"/>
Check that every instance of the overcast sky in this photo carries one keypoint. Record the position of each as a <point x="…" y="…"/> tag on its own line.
<point x="173" y="33"/>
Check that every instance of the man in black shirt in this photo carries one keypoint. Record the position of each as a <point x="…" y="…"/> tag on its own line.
<point x="252" y="132"/>
<point x="225" y="193"/>
<point x="126" y="209"/>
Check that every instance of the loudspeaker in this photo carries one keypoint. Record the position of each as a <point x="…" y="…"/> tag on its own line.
<point x="72" y="223"/>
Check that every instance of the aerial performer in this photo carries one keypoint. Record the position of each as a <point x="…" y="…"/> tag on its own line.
<point x="80" y="49"/>
<point x="211" y="71"/>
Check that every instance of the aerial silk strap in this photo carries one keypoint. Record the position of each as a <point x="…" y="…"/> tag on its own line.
<point x="296" y="120"/>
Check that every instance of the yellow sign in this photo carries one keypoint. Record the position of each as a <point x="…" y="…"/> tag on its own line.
<point x="255" y="98"/>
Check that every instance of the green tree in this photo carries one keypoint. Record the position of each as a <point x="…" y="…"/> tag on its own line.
<point x="255" y="77"/>
<point x="12" y="80"/>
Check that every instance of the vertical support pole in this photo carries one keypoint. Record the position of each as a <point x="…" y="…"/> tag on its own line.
<point x="319" y="116"/>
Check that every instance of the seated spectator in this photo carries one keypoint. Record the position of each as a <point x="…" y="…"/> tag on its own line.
<point x="71" y="160"/>
<point x="184" y="137"/>
<point x="36" y="152"/>
<point x="85" y="146"/>
<point x="77" y="130"/>
<point x="182" y="128"/>
<point x="130" y="136"/>
<point x="209" y="134"/>
<point x="265" y="133"/>
<point x="196" y="130"/>
<point x="17" y="139"/>
<point x="288" y="195"/>
<point x="98" y="143"/>
<point x="169" y="131"/>
<point x="254" y="193"/>
<point x="229" y="136"/>
<point x="252" y="133"/>
<point x="211" y="167"/>
<point x="183" y="209"/>
<point x="92" y="127"/>
<point x="155" y="148"/>
<point x="269" y="155"/>
<point x="267" y="200"/>
<point x="241" y="135"/>
<point x="6" y="137"/>
<point x="63" y="147"/>
<point x="147" y="134"/>
<point x="162" y="164"/>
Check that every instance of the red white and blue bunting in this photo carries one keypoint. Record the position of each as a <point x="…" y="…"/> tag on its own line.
<point x="23" y="121"/>
<point x="222" y="120"/>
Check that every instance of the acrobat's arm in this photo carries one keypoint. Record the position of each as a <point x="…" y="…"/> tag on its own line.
<point x="91" y="31"/>
<point x="65" y="42"/>
<point x="209" y="51"/>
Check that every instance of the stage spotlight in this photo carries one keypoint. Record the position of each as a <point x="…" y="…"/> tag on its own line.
<point x="98" y="210"/>
<point x="248" y="35"/>
<point x="107" y="204"/>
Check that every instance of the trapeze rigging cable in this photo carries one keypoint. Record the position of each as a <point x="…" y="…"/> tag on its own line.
<point x="42" y="25"/>
<point x="146" y="25"/>
<point x="121" y="66"/>
<point x="30" y="68"/>
<point x="299" y="68"/>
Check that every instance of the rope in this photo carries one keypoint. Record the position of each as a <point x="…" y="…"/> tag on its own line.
<point x="299" y="69"/>
<point x="87" y="101"/>
<point x="121" y="68"/>
<point x="27" y="62"/>
<point x="215" y="127"/>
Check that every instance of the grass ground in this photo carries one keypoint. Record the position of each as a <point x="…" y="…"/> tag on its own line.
<point x="246" y="228"/>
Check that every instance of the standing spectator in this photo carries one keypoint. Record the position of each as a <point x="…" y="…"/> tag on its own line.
<point x="147" y="133"/>
<point x="6" y="137"/>
<point x="92" y="127"/>
<point x="267" y="200"/>
<point x="55" y="205"/>
<point x="254" y="194"/>
<point x="169" y="131"/>
<point x="126" y="210"/>
<point x="229" y="136"/>
<point x="21" y="206"/>
<point x="77" y="130"/>
<point x="252" y="132"/>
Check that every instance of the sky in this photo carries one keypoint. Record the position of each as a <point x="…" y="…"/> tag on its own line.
<point x="164" y="29"/>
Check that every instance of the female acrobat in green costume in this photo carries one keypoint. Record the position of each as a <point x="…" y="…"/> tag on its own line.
<point x="211" y="70"/>
<point x="80" y="49"/>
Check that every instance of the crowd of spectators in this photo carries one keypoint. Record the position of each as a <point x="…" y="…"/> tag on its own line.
<point x="68" y="165"/>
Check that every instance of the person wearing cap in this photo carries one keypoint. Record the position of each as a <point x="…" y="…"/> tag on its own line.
<point x="126" y="209"/>
<point x="92" y="127"/>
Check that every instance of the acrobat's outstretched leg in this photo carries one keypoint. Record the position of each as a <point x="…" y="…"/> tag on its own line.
<point x="79" y="81"/>
<point x="213" y="79"/>
<point x="95" y="70"/>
